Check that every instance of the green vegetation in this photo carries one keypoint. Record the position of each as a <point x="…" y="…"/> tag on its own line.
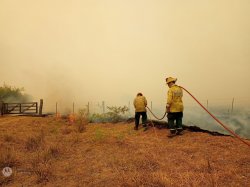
<point x="13" y="94"/>
<point x="99" y="134"/>
<point x="114" y="115"/>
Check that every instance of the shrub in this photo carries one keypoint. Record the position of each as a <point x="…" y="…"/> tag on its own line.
<point x="12" y="94"/>
<point x="115" y="114"/>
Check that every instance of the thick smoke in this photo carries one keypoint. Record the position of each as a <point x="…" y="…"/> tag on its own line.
<point x="238" y="120"/>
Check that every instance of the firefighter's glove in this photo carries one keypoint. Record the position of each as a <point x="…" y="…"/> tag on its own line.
<point x="168" y="108"/>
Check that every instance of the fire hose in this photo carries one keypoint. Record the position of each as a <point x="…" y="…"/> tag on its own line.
<point x="224" y="126"/>
<point x="156" y="116"/>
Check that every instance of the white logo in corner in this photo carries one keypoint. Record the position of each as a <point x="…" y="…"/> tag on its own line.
<point x="7" y="171"/>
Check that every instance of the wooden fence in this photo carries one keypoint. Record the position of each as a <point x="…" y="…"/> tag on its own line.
<point x="21" y="108"/>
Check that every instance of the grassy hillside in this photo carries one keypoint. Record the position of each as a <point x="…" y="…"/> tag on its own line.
<point x="50" y="152"/>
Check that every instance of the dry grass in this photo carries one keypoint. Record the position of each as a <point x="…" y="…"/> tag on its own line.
<point x="81" y="126"/>
<point x="41" y="165"/>
<point x="8" y="157"/>
<point x="9" y="138"/>
<point x="49" y="152"/>
<point x="35" y="142"/>
<point x="4" y="181"/>
<point x="66" y="130"/>
<point x="82" y="121"/>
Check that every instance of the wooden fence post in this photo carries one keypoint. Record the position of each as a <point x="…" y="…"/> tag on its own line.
<point x="129" y="108"/>
<point x="1" y="108"/>
<point x="232" y="106"/>
<point x="88" y="108"/>
<point x="103" y="107"/>
<point x="41" y="107"/>
<point x="36" y="108"/>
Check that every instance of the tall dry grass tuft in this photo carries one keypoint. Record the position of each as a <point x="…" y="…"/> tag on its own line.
<point x="210" y="172"/>
<point x="42" y="163"/>
<point x="144" y="178"/>
<point x="8" y="158"/>
<point x="8" y="138"/>
<point x="4" y="181"/>
<point x="35" y="142"/>
<point x="66" y="130"/>
<point x="81" y="126"/>
<point x="82" y="120"/>
<point x="99" y="135"/>
<point x="52" y="151"/>
<point x="43" y="171"/>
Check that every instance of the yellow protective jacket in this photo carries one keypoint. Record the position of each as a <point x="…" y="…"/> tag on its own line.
<point x="140" y="104"/>
<point x="174" y="99"/>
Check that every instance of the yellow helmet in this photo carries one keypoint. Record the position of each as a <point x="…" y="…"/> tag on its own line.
<point x="171" y="79"/>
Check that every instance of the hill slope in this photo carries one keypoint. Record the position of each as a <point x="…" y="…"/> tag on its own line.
<point x="49" y="152"/>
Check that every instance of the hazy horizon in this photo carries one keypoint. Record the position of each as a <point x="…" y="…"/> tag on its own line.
<point x="109" y="50"/>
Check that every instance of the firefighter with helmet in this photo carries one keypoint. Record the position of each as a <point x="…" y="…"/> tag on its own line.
<point x="140" y="104"/>
<point x="174" y="107"/>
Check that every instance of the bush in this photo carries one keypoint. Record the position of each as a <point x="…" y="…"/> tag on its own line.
<point x="12" y="94"/>
<point x="114" y="115"/>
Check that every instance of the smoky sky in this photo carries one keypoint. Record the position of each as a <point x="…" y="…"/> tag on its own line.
<point x="109" y="50"/>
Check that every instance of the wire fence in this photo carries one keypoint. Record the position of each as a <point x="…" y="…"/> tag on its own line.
<point x="228" y="105"/>
<point x="90" y="107"/>
<point x="235" y="112"/>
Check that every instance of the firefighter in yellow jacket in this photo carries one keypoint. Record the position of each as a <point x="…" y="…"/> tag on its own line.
<point x="174" y="107"/>
<point x="140" y="104"/>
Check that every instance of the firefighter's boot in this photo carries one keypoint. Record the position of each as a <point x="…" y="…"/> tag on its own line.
<point x="179" y="131"/>
<point x="172" y="133"/>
